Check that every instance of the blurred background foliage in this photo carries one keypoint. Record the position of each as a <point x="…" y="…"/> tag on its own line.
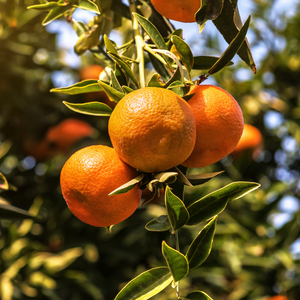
<point x="256" y="250"/>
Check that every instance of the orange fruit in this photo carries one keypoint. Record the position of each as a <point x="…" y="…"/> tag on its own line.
<point x="87" y="178"/>
<point x="68" y="132"/>
<point x="178" y="10"/>
<point x="278" y="297"/>
<point x="152" y="129"/>
<point x="93" y="72"/>
<point x="251" y="141"/>
<point x="219" y="123"/>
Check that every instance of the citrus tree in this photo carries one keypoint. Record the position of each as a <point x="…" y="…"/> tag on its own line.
<point x="154" y="40"/>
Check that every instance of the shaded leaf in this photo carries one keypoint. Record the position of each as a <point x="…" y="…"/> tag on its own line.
<point x="228" y="26"/>
<point x="197" y="295"/>
<point x="88" y="5"/>
<point x="115" y="83"/>
<point x="159" y="224"/>
<point x="127" y="186"/>
<point x="201" y="246"/>
<point x="215" y="202"/>
<point x="176" y="262"/>
<point x="90" y="108"/>
<point x="3" y="182"/>
<point x="146" y="285"/>
<point x="184" y="51"/>
<point x="85" y="86"/>
<point x="9" y="212"/>
<point x="231" y="50"/>
<point x="209" y="10"/>
<point x="197" y="179"/>
<point x="177" y="213"/>
<point x="159" y="67"/>
<point x="112" y="93"/>
<point x="206" y="62"/>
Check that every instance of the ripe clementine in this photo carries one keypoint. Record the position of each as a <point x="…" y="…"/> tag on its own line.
<point x="251" y="140"/>
<point x="152" y="129"/>
<point x="177" y="10"/>
<point x="219" y="123"/>
<point x="93" y="72"/>
<point x="87" y="178"/>
<point x="278" y="297"/>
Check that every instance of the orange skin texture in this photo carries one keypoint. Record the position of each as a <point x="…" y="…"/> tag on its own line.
<point x="87" y="178"/>
<point x="152" y="129"/>
<point x="93" y="72"/>
<point x="219" y="122"/>
<point x="178" y="10"/>
<point x="251" y="140"/>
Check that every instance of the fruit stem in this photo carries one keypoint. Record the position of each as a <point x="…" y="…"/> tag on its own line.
<point x="139" y="44"/>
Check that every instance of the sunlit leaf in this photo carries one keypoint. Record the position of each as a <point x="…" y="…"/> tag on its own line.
<point x="176" y="262"/>
<point x="127" y="186"/>
<point x="155" y="81"/>
<point x="166" y="177"/>
<point x="88" y="5"/>
<point x="112" y="93"/>
<point x="127" y="89"/>
<point x="146" y="285"/>
<point x="85" y="86"/>
<point x="3" y="182"/>
<point x="56" y="13"/>
<point x="88" y="40"/>
<point x="79" y="27"/>
<point x="45" y="6"/>
<point x="158" y="224"/>
<point x="201" y="246"/>
<point x="90" y="108"/>
<point x="177" y="213"/>
<point x="109" y="45"/>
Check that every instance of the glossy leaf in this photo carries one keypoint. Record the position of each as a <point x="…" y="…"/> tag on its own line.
<point x="85" y="86"/>
<point x="231" y="50"/>
<point x="197" y="179"/>
<point x="177" y="213"/>
<point x="209" y="10"/>
<point x="9" y="212"/>
<point x="88" y="40"/>
<point x="228" y="24"/>
<point x="146" y="285"/>
<point x="201" y="246"/>
<point x="45" y="6"/>
<point x="125" y="67"/>
<point x="3" y="182"/>
<point x="152" y="31"/>
<point x="88" y="5"/>
<point x="215" y="202"/>
<point x="197" y="295"/>
<point x="90" y="108"/>
<point x="176" y="261"/>
<point x="109" y="45"/>
<point x="177" y="32"/>
<point x="56" y="13"/>
<point x="112" y="93"/>
<point x="184" y="51"/>
<point x="158" y="224"/>
<point x="127" y="186"/>
<point x="206" y="62"/>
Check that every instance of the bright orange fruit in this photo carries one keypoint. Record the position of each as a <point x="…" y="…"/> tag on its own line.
<point x="219" y="123"/>
<point x="178" y="10"/>
<point x="87" y="178"/>
<point x="152" y="129"/>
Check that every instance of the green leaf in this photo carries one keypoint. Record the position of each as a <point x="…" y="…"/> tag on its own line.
<point x="215" y="202"/>
<point x="110" y="47"/>
<point x="176" y="84"/>
<point x="88" y="5"/>
<point x="9" y="212"/>
<point x="152" y="31"/>
<point x="201" y="246"/>
<point x="231" y="50"/>
<point x="45" y="6"/>
<point x="197" y="295"/>
<point x="88" y="40"/>
<point x="125" y="67"/>
<point x="3" y="182"/>
<point x="177" y="32"/>
<point x="115" y="83"/>
<point x="177" y="213"/>
<point x="229" y="24"/>
<point x="184" y="51"/>
<point x="56" y="13"/>
<point x="127" y="89"/>
<point x="90" y="108"/>
<point x="85" y="86"/>
<point x="159" y="224"/>
<point x="166" y="177"/>
<point x="198" y="179"/>
<point x="146" y="285"/>
<point x="79" y="27"/>
<point x="112" y="93"/>
<point x="127" y="186"/>
<point x="209" y="10"/>
<point x="155" y="81"/>
<point x="159" y="67"/>
<point x="176" y="262"/>
<point x="206" y="62"/>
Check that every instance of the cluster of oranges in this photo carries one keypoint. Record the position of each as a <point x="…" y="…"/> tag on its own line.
<point x="152" y="130"/>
